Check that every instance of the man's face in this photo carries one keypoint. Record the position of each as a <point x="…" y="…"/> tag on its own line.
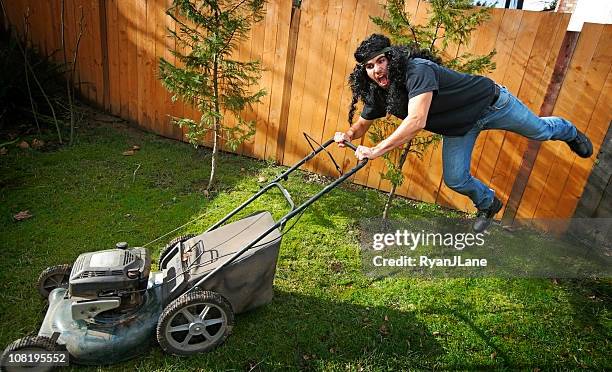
<point x="377" y="70"/>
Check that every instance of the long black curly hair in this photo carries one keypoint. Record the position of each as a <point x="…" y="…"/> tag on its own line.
<point x="364" y="88"/>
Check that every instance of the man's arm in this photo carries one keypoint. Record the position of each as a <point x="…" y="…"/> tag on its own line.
<point x="358" y="129"/>
<point x="418" y="108"/>
<point x="355" y="131"/>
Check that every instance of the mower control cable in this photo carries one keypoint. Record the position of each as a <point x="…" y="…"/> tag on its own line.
<point x="309" y="139"/>
<point x="180" y="227"/>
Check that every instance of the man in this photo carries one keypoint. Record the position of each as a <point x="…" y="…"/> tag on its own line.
<point x="413" y="86"/>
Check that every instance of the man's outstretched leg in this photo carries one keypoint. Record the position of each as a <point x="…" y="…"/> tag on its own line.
<point x="456" y="158"/>
<point x="509" y="113"/>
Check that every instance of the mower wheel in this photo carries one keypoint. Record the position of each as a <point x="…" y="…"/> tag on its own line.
<point x="166" y="251"/>
<point x="38" y="344"/>
<point x="196" y="322"/>
<point x="53" y="277"/>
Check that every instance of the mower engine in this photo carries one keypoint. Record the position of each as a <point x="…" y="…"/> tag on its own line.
<point x="114" y="279"/>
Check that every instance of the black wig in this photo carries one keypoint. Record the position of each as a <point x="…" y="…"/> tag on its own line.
<point x="364" y="88"/>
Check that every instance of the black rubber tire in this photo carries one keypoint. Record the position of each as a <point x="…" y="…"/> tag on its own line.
<point x="53" y="277"/>
<point x="219" y="311"/>
<point x="169" y="246"/>
<point x="38" y="343"/>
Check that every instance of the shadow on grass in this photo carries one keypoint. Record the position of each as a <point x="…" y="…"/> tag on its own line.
<point x="303" y="332"/>
<point x="591" y="300"/>
<point x="296" y="331"/>
<point x="314" y="331"/>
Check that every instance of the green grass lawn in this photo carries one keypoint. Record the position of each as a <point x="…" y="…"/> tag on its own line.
<point x="326" y="313"/>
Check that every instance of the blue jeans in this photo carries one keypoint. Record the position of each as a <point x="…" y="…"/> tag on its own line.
<point x="507" y="113"/>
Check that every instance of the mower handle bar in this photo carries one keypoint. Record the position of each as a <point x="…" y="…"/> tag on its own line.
<point x="350" y="145"/>
<point x="285" y="175"/>
<point x="294" y="211"/>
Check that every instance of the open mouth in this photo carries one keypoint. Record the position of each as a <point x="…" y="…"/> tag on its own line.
<point x="382" y="80"/>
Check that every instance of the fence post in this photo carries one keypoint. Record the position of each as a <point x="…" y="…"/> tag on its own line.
<point x="533" y="147"/>
<point x="294" y="29"/>
<point x="104" y="50"/>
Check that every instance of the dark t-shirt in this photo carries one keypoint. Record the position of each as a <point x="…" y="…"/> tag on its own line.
<point x="458" y="99"/>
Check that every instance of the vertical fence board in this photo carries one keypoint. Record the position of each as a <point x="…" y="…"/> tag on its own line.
<point x="244" y="54"/>
<point x="175" y="108"/>
<point x="255" y="41"/>
<point x="77" y="41"/>
<point x="267" y="76"/>
<point x="51" y="30"/>
<point x="90" y="46"/>
<point x="357" y="33"/>
<point x="341" y="96"/>
<point x="298" y="90"/>
<point x="122" y="64"/>
<point x="83" y="58"/>
<point x="229" y="120"/>
<point x="263" y="37"/>
<point x="315" y="80"/>
<point x="71" y="35"/>
<point x="113" y="57"/>
<point x="90" y="42"/>
<point x="35" y="37"/>
<point x="335" y="118"/>
<point x="128" y="54"/>
<point x="157" y="91"/>
<point x="72" y="18"/>
<point x="98" y="84"/>
<point x="279" y="66"/>
<point x="140" y="26"/>
<point x="322" y="89"/>
<point x="51" y="21"/>
<point x="508" y="150"/>
<point x="163" y="45"/>
<point x="323" y="93"/>
<point x="146" y="68"/>
<point x="168" y="44"/>
<point x="538" y="175"/>
<point x="44" y="16"/>
<point x="16" y="17"/>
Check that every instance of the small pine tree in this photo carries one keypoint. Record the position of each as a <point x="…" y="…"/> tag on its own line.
<point x="449" y="22"/>
<point x="551" y="6"/>
<point x="206" y="76"/>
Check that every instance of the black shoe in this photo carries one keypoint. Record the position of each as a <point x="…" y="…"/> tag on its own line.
<point x="581" y="145"/>
<point x="485" y="216"/>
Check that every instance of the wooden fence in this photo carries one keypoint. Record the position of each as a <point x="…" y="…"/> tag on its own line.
<point x="307" y="56"/>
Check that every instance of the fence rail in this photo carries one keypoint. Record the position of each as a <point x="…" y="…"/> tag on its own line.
<point x="307" y="55"/>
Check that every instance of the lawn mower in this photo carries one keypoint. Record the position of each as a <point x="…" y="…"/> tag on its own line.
<point x="108" y="306"/>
